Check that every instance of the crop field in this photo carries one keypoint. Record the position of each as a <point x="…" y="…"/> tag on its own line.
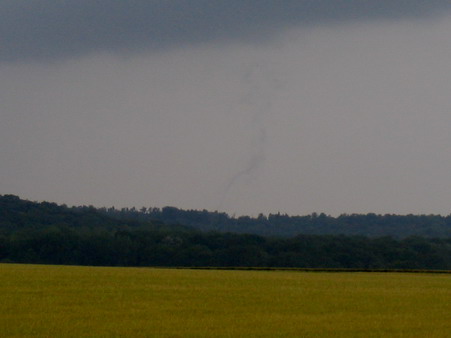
<point x="64" y="301"/>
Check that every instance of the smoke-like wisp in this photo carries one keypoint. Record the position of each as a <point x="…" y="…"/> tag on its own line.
<point x="256" y="161"/>
<point x="259" y="96"/>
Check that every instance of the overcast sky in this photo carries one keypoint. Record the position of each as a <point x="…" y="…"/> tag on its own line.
<point x="243" y="106"/>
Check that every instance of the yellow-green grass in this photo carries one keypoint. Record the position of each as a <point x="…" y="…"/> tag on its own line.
<point x="63" y="301"/>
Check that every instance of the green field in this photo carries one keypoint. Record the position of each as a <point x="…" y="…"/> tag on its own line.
<point x="62" y="301"/>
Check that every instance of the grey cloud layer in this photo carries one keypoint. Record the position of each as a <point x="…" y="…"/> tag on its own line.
<point x="49" y="29"/>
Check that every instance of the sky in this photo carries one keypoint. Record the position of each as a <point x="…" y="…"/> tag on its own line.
<point x="241" y="106"/>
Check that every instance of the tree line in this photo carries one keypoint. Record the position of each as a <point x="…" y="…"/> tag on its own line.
<point x="48" y="233"/>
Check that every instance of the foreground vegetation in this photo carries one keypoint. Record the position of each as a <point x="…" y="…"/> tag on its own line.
<point x="61" y="301"/>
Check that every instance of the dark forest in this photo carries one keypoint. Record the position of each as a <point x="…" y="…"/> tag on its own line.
<point x="47" y="233"/>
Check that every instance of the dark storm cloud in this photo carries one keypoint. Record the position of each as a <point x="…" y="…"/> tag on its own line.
<point x="53" y="29"/>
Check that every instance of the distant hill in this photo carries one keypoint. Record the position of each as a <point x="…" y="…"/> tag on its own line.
<point x="16" y="214"/>
<point x="280" y="225"/>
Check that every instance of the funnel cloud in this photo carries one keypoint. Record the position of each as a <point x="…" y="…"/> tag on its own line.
<point x="243" y="106"/>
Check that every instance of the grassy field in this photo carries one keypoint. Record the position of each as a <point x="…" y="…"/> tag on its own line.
<point x="61" y="301"/>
